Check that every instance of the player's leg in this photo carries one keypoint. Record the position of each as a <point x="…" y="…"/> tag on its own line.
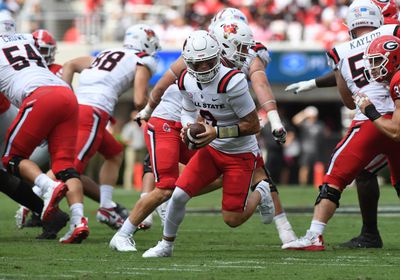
<point x="112" y="151"/>
<point x="359" y="143"/>
<point x="368" y="196"/>
<point x="200" y="172"/>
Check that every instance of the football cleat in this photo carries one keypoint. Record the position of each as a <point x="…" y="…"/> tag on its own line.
<point x="51" y="228"/>
<point x="110" y="217"/>
<point x="310" y="242"/>
<point x="162" y="211"/>
<point x="122" y="211"/>
<point x="20" y="216"/>
<point x="266" y="205"/>
<point x="77" y="233"/>
<point x="287" y="235"/>
<point x="34" y="221"/>
<point x="364" y="240"/>
<point x="51" y="198"/>
<point x="161" y="250"/>
<point x="147" y="223"/>
<point x="122" y="243"/>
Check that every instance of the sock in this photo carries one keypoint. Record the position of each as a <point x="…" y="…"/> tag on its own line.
<point x="127" y="228"/>
<point x="175" y="212"/>
<point x="317" y="227"/>
<point x="368" y="196"/>
<point x="37" y="191"/>
<point x="44" y="182"/>
<point x="261" y="190"/>
<point x="106" y="196"/>
<point x="20" y="191"/>
<point x="76" y="213"/>
<point x="167" y="243"/>
<point x="281" y="222"/>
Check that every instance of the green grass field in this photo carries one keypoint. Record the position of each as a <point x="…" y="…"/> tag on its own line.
<point x="206" y="248"/>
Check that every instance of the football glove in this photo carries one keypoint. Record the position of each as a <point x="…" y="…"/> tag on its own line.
<point x="301" y="86"/>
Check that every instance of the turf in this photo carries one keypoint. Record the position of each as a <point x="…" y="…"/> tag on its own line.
<point x="206" y="248"/>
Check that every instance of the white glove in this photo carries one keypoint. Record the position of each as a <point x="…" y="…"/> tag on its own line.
<point x="144" y="114"/>
<point x="301" y="86"/>
<point x="278" y="131"/>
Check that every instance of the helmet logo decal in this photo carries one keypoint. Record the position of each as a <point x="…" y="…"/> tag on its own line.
<point x="230" y="29"/>
<point x="150" y="33"/>
<point x="390" y="45"/>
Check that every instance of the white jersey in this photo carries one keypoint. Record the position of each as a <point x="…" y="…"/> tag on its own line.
<point x="170" y="106"/>
<point x="22" y="68"/>
<point x="260" y="51"/>
<point x="112" y="72"/>
<point x="348" y="59"/>
<point x="221" y="102"/>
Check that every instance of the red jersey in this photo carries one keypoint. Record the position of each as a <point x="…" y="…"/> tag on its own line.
<point x="395" y="86"/>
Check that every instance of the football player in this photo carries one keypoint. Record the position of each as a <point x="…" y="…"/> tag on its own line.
<point x="366" y="181"/>
<point x="102" y="80"/>
<point x="222" y="98"/>
<point x="363" y="142"/>
<point x="383" y="64"/>
<point x="41" y="98"/>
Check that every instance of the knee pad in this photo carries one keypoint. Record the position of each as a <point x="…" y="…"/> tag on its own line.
<point x="13" y="166"/>
<point x="397" y="188"/>
<point x="147" y="165"/>
<point x="66" y="174"/>
<point x="326" y="192"/>
<point x="364" y="177"/>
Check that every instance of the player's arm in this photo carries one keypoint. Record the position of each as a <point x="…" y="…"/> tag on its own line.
<point x="140" y="86"/>
<point x="265" y="97"/>
<point x="390" y="127"/>
<point x="345" y="93"/>
<point x="161" y="86"/>
<point x="73" y="66"/>
<point x="324" y="81"/>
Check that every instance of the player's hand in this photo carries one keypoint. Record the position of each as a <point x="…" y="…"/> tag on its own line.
<point x="206" y="137"/>
<point x="362" y="101"/>
<point x="279" y="135"/>
<point x="301" y="86"/>
<point x="184" y="132"/>
<point x="143" y="115"/>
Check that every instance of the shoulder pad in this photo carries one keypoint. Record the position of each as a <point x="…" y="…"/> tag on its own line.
<point x="395" y="86"/>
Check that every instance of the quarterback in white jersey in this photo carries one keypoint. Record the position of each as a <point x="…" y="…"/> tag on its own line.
<point x="102" y="80"/>
<point x="212" y="89"/>
<point x="363" y="141"/>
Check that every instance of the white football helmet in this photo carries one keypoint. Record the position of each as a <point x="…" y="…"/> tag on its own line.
<point x="227" y="14"/>
<point x="363" y="13"/>
<point x="7" y="23"/>
<point x="201" y="53"/>
<point x="141" y="37"/>
<point x="235" y="39"/>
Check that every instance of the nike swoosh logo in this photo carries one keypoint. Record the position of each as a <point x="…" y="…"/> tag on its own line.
<point x="214" y="99"/>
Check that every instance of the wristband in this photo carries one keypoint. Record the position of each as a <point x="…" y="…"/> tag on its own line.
<point x="274" y="120"/>
<point x="372" y="113"/>
<point x="230" y="131"/>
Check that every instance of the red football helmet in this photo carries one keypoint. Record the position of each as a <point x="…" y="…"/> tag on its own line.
<point x="382" y="57"/>
<point x="388" y="8"/>
<point x="46" y="44"/>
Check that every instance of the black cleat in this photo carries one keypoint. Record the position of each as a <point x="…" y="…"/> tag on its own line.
<point x="364" y="240"/>
<point x="51" y="228"/>
<point x="34" y="221"/>
<point x="122" y="211"/>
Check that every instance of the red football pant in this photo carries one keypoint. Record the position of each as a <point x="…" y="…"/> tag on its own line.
<point x="50" y="113"/>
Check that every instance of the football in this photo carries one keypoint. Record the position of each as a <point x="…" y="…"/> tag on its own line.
<point x="191" y="134"/>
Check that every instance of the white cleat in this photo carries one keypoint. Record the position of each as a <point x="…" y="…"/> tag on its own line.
<point x="161" y="250"/>
<point x="266" y="206"/>
<point x="287" y="236"/>
<point x="162" y="211"/>
<point x="20" y="216"/>
<point x="122" y="243"/>
<point x="310" y="242"/>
